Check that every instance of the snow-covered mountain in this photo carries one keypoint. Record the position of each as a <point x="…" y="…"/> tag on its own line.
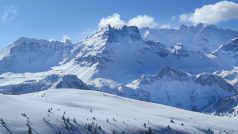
<point x="30" y="82"/>
<point x="176" y="88"/>
<point x="33" y="55"/>
<point x="74" y="111"/>
<point x="122" y="55"/>
<point x="202" y="37"/>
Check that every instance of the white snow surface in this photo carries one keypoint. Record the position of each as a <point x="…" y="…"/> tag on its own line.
<point x="44" y="111"/>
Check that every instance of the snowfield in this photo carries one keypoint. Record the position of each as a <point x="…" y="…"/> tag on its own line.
<point x="73" y="111"/>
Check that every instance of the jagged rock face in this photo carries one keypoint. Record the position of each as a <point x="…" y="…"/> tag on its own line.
<point x="232" y="46"/>
<point x="71" y="81"/>
<point x="125" y="33"/>
<point x="207" y="79"/>
<point x="32" y="55"/>
<point x="173" y="74"/>
<point x="157" y="48"/>
<point x="227" y="106"/>
<point x="180" y="50"/>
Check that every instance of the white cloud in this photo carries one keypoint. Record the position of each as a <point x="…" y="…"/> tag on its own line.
<point x="212" y="13"/>
<point x="165" y="26"/>
<point x="114" y="21"/>
<point x="9" y="13"/>
<point x="143" y="21"/>
<point x="139" y="21"/>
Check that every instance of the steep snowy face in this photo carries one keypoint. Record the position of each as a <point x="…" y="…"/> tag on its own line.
<point x="231" y="46"/>
<point x="228" y="52"/>
<point x="176" y="88"/>
<point x="204" y="38"/>
<point x="116" y="51"/>
<point x="32" y="55"/>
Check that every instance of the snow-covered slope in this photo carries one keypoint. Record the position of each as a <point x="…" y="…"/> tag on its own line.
<point x="71" y="111"/>
<point x="32" y="55"/>
<point x="202" y="37"/>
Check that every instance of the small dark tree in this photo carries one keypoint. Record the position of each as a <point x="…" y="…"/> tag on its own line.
<point x="63" y="118"/>
<point x="149" y="130"/>
<point x="89" y="128"/>
<point x="144" y="125"/>
<point x="66" y="126"/>
<point x="113" y="131"/>
<point x="2" y="121"/>
<point x="168" y="127"/>
<point x="67" y="120"/>
<point x="75" y="120"/>
<point x="59" y="132"/>
<point x="95" y="131"/>
<point x="29" y="130"/>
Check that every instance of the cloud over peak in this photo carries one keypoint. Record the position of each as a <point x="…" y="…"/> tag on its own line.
<point x="140" y="21"/>
<point x="212" y="13"/>
<point x="114" y="20"/>
<point x="143" y="21"/>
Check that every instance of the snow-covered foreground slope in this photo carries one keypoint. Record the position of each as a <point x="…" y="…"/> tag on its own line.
<point x="73" y="111"/>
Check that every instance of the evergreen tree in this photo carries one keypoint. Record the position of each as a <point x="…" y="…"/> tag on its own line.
<point x="149" y="130"/>
<point x="29" y="130"/>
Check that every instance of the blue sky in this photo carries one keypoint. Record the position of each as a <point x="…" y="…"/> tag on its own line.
<point x="53" y="19"/>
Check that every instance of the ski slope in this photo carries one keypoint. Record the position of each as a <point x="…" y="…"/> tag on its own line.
<point x="42" y="113"/>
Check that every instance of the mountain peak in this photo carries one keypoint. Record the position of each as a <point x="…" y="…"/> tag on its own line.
<point x="129" y="33"/>
<point x="180" y="50"/>
<point x="172" y="73"/>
